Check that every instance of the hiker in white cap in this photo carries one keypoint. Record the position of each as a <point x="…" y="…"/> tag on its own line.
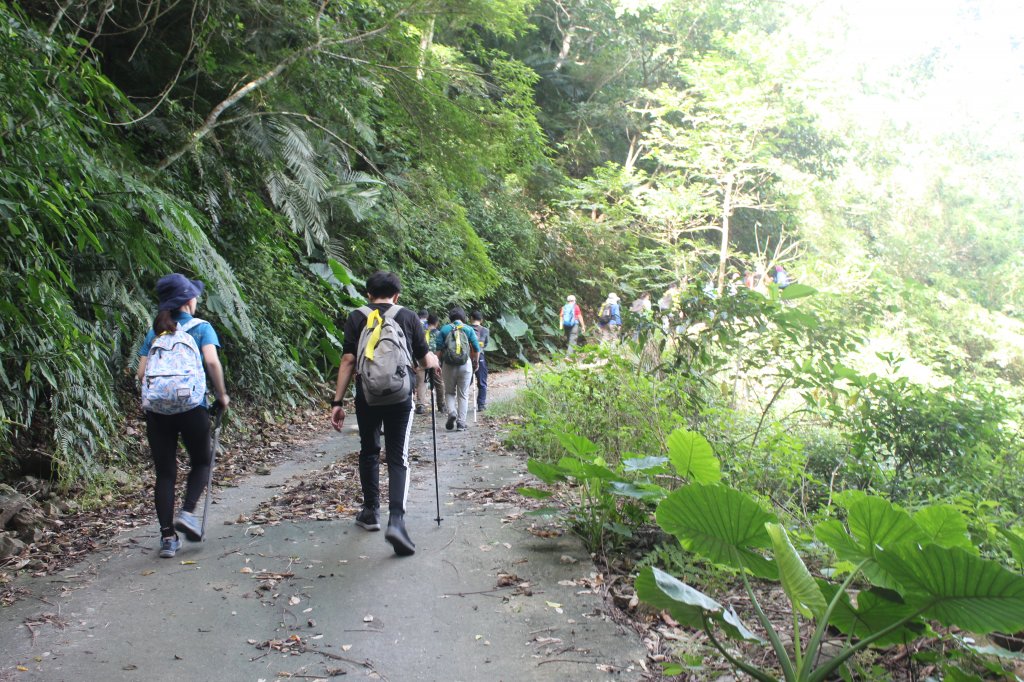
<point x="571" y="320"/>
<point x="610" y="319"/>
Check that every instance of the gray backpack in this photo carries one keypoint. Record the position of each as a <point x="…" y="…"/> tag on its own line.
<point x="383" y="359"/>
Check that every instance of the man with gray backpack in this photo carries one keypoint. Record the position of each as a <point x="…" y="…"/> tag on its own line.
<point x="382" y="340"/>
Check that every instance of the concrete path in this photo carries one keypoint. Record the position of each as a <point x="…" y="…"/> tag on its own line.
<point x="482" y="599"/>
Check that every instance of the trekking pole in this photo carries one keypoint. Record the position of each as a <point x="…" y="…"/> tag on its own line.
<point x="433" y="432"/>
<point x="217" y="411"/>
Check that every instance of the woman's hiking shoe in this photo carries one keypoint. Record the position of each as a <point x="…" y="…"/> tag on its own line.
<point x="398" y="537"/>
<point x="367" y="518"/>
<point x="419" y="409"/>
<point x="189" y="525"/>
<point x="450" y="424"/>
<point x="461" y="426"/>
<point x="169" y="546"/>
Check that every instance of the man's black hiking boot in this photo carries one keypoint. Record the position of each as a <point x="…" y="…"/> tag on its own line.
<point x="398" y="537"/>
<point x="367" y="518"/>
<point x="450" y="424"/>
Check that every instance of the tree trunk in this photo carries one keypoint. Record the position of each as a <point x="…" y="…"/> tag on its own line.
<point x="425" y="42"/>
<point x="723" y="251"/>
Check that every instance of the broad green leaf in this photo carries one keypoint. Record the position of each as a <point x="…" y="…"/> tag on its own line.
<point x="687" y="605"/>
<point x="513" y="325"/>
<point x="544" y="511"/>
<point x="721" y="524"/>
<point x="534" y="493"/>
<point x="951" y="673"/>
<point x="1016" y="543"/>
<point x="944" y="525"/>
<point x="878" y="524"/>
<point x="874" y="612"/>
<point x="640" y="491"/>
<point x="795" y="291"/>
<point x="340" y="271"/>
<point x="580" y="446"/>
<point x="544" y="471"/>
<point x="957" y="588"/>
<point x="586" y="470"/>
<point x="692" y="457"/>
<point x="834" y="534"/>
<point x="644" y="463"/>
<point x="796" y="580"/>
<point x="875" y="525"/>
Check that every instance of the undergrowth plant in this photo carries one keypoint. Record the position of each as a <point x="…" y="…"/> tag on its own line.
<point x="902" y="572"/>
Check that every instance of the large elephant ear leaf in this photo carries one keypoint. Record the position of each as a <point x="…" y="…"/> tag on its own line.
<point x="544" y="471"/>
<point x="692" y="456"/>
<point x="876" y="610"/>
<point x="878" y="524"/>
<point x="685" y="604"/>
<point x="580" y="446"/>
<point x="721" y="524"/>
<point x="945" y="526"/>
<point x="803" y="592"/>
<point x="955" y="587"/>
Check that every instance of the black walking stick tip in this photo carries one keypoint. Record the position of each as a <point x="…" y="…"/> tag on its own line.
<point x="433" y="433"/>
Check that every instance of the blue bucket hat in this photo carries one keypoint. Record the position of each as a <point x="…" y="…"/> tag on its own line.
<point x="175" y="290"/>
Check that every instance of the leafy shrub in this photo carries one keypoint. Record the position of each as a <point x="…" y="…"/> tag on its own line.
<point x="921" y="568"/>
<point x="602" y="396"/>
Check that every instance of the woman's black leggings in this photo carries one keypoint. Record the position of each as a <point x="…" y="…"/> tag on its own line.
<point x="163" y="431"/>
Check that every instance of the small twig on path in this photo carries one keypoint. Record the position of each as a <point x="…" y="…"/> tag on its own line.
<point x="465" y="594"/>
<point x="566" y="660"/>
<point x="236" y="550"/>
<point x="454" y="567"/>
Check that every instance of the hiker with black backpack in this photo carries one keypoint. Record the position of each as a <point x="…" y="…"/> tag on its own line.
<point x="382" y="340"/>
<point x="610" y="319"/>
<point x="175" y="360"/>
<point x="483" y="335"/>
<point x="460" y="352"/>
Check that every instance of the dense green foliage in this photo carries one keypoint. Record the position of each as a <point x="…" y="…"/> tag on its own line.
<point x="499" y="154"/>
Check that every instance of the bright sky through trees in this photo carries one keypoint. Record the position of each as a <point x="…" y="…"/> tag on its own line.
<point x="935" y="65"/>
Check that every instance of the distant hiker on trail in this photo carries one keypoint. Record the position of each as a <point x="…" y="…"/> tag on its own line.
<point x="433" y="324"/>
<point x="421" y="375"/>
<point x="610" y="318"/>
<point x="177" y="356"/>
<point x="781" y="277"/>
<point x="641" y="309"/>
<point x="460" y="350"/>
<point x="483" y="335"/>
<point x="381" y="340"/>
<point x="571" y="320"/>
<point x="642" y="305"/>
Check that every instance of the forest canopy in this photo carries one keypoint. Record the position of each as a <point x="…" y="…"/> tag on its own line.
<point x="497" y="155"/>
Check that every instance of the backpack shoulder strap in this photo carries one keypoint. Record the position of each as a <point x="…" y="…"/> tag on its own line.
<point x="393" y="311"/>
<point x="191" y="324"/>
<point x="365" y="310"/>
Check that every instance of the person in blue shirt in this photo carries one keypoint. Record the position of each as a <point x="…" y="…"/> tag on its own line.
<point x="178" y="299"/>
<point x="458" y="377"/>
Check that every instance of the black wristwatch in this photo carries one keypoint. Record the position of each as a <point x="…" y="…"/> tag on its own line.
<point x="337" y="403"/>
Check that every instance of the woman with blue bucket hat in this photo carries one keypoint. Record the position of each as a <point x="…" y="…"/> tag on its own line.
<point x="175" y="360"/>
